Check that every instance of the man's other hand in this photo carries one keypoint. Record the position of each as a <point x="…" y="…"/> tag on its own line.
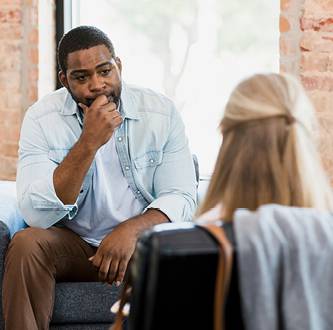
<point x="114" y="253"/>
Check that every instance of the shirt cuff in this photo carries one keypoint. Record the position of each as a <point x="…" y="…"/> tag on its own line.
<point x="46" y="203"/>
<point x="175" y="207"/>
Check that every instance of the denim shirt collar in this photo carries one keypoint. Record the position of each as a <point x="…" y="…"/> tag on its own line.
<point x="128" y="109"/>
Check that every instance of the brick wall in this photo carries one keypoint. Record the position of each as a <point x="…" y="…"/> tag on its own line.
<point x="18" y="74"/>
<point x="306" y="49"/>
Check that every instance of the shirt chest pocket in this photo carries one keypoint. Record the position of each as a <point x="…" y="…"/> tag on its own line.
<point x="149" y="160"/>
<point x="58" y="155"/>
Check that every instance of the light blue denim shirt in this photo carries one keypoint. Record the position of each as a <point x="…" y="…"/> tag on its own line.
<point x="151" y="145"/>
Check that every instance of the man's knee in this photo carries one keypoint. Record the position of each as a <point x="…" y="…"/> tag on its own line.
<point x="28" y="243"/>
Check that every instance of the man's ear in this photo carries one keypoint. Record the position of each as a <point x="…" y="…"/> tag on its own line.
<point x="63" y="78"/>
<point x="119" y="65"/>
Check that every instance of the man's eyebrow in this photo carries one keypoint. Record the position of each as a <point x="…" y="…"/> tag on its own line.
<point x="103" y="64"/>
<point x="78" y="71"/>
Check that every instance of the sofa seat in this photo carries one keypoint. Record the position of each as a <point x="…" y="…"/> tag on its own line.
<point x="84" y="302"/>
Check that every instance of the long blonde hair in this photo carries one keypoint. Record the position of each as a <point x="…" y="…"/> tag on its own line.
<point x="268" y="153"/>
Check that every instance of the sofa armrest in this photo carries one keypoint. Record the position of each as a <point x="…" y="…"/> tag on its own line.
<point x="4" y="241"/>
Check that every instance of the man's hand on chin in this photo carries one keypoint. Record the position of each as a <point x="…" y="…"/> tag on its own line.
<point x="116" y="249"/>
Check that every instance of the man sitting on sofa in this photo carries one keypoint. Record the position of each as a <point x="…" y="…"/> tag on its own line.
<point x="99" y="162"/>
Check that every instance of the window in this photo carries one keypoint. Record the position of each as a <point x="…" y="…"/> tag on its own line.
<point x="194" y="51"/>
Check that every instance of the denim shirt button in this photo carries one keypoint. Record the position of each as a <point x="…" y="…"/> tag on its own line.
<point x="120" y="138"/>
<point x="151" y="160"/>
<point x="127" y="168"/>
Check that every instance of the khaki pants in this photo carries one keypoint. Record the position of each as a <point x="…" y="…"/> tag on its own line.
<point x="35" y="260"/>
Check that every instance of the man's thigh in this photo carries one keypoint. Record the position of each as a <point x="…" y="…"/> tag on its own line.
<point x="60" y="249"/>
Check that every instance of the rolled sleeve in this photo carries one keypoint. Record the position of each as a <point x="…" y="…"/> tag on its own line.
<point x="37" y="199"/>
<point x="41" y="207"/>
<point x="177" y="208"/>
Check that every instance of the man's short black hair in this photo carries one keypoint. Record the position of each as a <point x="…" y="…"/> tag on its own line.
<point x="81" y="37"/>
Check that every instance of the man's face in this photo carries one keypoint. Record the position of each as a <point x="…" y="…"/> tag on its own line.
<point x="92" y="72"/>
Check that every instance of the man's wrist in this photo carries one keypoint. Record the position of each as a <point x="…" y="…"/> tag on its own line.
<point x="87" y="145"/>
<point x="146" y="220"/>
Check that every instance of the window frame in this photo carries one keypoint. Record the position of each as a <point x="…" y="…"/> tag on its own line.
<point x="63" y="14"/>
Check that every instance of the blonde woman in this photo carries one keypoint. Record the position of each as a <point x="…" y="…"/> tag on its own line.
<point x="268" y="154"/>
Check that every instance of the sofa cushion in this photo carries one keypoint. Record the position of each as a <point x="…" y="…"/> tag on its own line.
<point x="9" y="212"/>
<point x="84" y="302"/>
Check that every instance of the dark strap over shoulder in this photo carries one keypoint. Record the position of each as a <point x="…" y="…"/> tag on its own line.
<point x="223" y="273"/>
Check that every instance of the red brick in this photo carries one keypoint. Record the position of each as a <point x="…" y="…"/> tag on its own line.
<point x="288" y="46"/>
<point x="325" y="120"/>
<point x="11" y="16"/>
<point x="317" y="24"/>
<point x="33" y="94"/>
<point x="2" y="133"/>
<point x="12" y="62"/>
<point x="33" y="55"/>
<point x="11" y="133"/>
<point x="290" y="66"/>
<point x="315" y="61"/>
<point x="9" y="149"/>
<point x="10" y="32"/>
<point x="11" y="3"/>
<point x="321" y="6"/>
<point x="31" y="3"/>
<point x="14" y="101"/>
<point x="284" y="4"/>
<point x="10" y="80"/>
<point x="33" y="74"/>
<point x="10" y="118"/>
<point x="317" y="82"/>
<point x="322" y="101"/>
<point x="11" y="49"/>
<point x="33" y="36"/>
<point x="317" y="41"/>
<point x="284" y="24"/>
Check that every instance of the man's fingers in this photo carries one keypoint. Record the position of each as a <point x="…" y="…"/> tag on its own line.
<point x="97" y="260"/>
<point x="115" y="119"/>
<point x="100" y="100"/>
<point x="116" y="122"/>
<point x="121" y="271"/>
<point x="113" y="271"/>
<point x="110" y="107"/>
<point x="104" y="269"/>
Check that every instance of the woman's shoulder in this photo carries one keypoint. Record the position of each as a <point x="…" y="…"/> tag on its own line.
<point x="214" y="214"/>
